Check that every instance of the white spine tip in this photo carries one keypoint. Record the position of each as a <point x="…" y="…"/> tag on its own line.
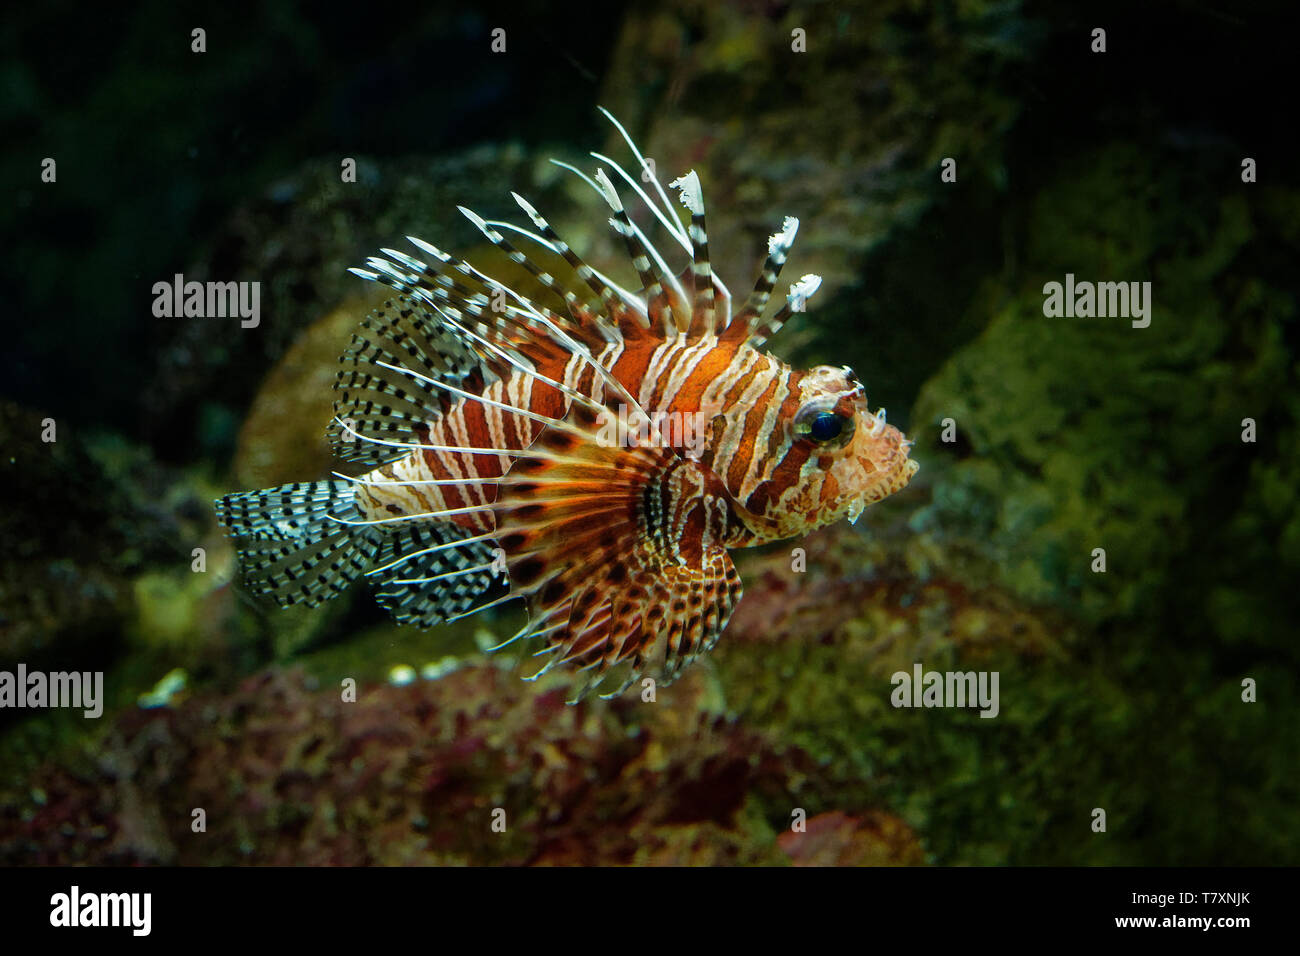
<point x="785" y="238"/>
<point x="476" y="219"/>
<point x="526" y="206"/>
<point x="473" y="217"/>
<point x="430" y="249"/>
<point x="607" y="188"/>
<point x="692" y="198"/>
<point x="802" y="290"/>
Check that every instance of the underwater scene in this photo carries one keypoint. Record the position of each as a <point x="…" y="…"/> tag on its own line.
<point x="657" y="434"/>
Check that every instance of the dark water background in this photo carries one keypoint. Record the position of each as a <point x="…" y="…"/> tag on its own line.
<point x="1121" y="691"/>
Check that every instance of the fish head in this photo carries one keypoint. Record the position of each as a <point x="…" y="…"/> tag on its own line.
<point x="851" y="457"/>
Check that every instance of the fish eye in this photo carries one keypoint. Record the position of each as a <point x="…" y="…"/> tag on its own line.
<point x="824" y="426"/>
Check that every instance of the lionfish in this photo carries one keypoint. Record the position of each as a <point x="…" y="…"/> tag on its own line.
<point x="520" y="444"/>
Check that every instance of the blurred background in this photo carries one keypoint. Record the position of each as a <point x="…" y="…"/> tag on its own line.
<point x="1119" y="690"/>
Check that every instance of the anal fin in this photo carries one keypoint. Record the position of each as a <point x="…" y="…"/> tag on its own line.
<point x="424" y="580"/>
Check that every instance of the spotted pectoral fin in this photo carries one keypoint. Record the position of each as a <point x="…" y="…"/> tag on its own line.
<point x="617" y="551"/>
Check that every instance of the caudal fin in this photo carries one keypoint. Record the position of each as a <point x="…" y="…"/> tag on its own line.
<point x="304" y="543"/>
<point x="297" y="545"/>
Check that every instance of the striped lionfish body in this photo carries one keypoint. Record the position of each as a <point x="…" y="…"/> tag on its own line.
<point x="591" y="450"/>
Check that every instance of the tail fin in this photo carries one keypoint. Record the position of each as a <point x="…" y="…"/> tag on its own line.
<point x="304" y="543"/>
<point x="296" y="546"/>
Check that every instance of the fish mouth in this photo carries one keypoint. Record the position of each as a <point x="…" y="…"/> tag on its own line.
<point x="904" y="468"/>
<point x="903" y="474"/>
<point x="896" y="479"/>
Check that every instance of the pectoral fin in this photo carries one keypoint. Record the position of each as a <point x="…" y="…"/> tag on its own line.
<point x="617" y="551"/>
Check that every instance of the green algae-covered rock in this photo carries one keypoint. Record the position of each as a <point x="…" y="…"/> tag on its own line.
<point x="1086" y="433"/>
